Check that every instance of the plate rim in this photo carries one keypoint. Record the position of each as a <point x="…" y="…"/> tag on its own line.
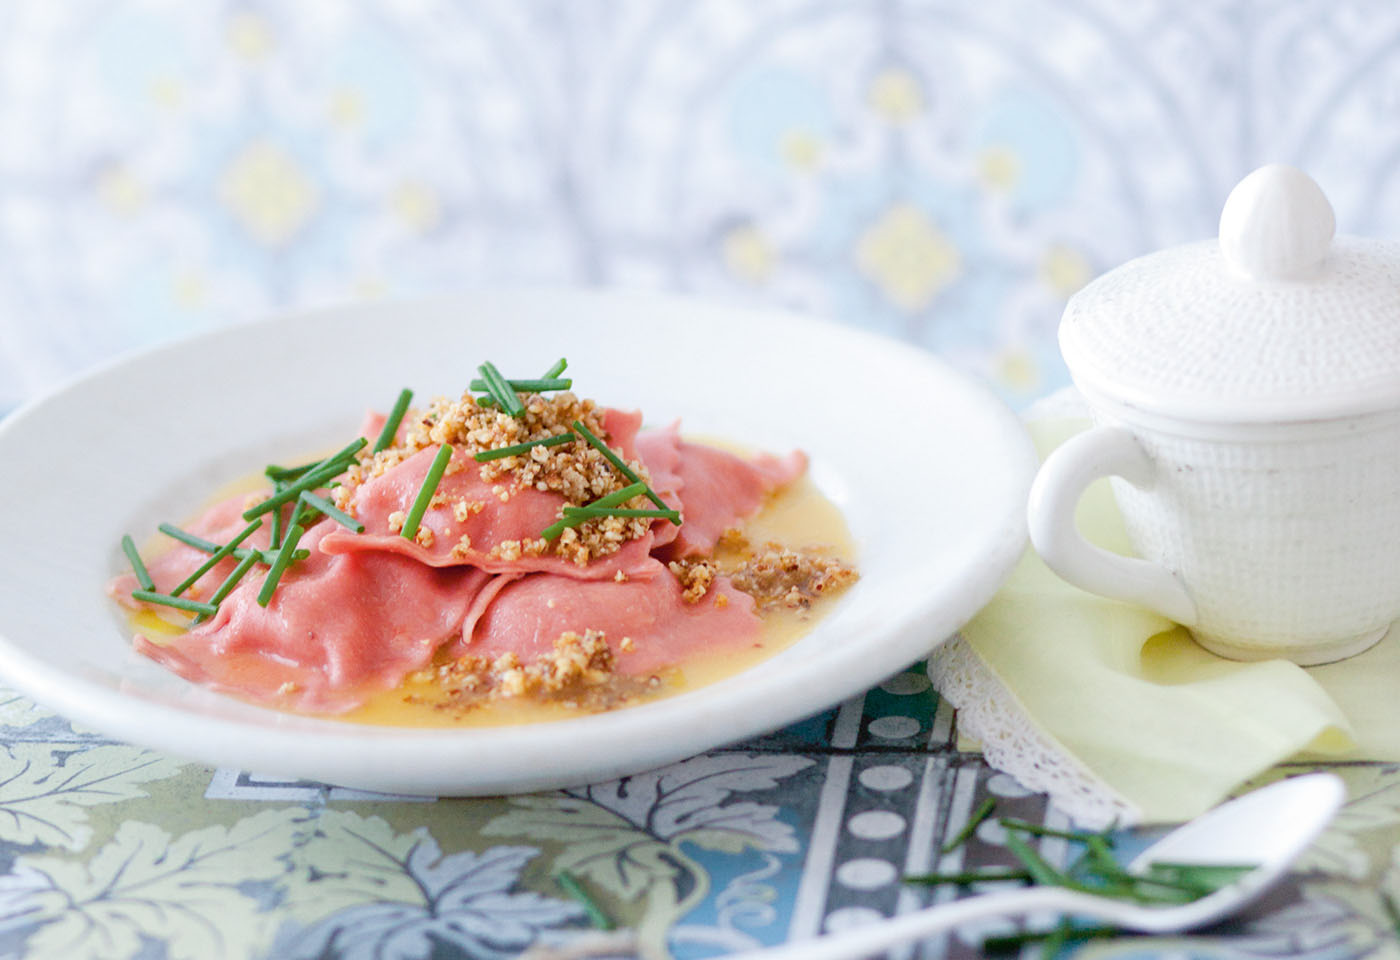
<point x="222" y="744"/>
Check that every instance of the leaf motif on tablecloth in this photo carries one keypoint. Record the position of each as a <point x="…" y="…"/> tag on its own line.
<point x="379" y="893"/>
<point x="19" y="711"/>
<point x="185" y="892"/>
<point x="1346" y="847"/>
<point x="623" y="834"/>
<point x="45" y="788"/>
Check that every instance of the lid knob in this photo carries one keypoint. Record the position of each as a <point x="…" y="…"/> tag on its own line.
<point x="1276" y="225"/>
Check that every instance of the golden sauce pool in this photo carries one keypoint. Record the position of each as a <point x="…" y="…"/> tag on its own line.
<point x="799" y="516"/>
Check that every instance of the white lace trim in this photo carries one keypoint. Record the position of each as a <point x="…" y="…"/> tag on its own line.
<point x="1011" y="742"/>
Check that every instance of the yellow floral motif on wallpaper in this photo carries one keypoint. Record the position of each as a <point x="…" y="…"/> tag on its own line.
<point x="121" y="192"/>
<point x="802" y="149"/>
<point x="896" y="95"/>
<point x="1064" y="269"/>
<point x="267" y="193"/>
<point x="998" y="167"/>
<point x="416" y="205"/>
<point x="249" y="37"/>
<point x="908" y="257"/>
<point x="748" y="254"/>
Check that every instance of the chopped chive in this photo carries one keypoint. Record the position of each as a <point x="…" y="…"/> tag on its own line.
<point x="279" y="566"/>
<point x="1056" y="941"/>
<point x="327" y="469"/>
<point x="273" y="472"/>
<point x="967" y="877"/>
<point x="671" y="515"/>
<point x="391" y="423"/>
<point x="500" y="390"/>
<point x="553" y="531"/>
<point x="1025" y="826"/>
<point x="275" y="534"/>
<point x="559" y="367"/>
<point x="527" y="386"/>
<point x="1015" y="941"/>
<point x="1209" y="876"/>
<point x="1041" y="872"/>
<point x="500" y="453"/>
<point x="573" y="888"/>
<point x="616" y="461"/>
<point x="208" y="546"/>
<point x="426" y="491"/>
<point x="332" y="511"/>
<point x="143" y="576"/>
<point x="180" y="603"/>
<point x="983" y="811"/>
<point x="1392" y="911"/>
<point x="1099" y="854"/>
<point x="214" y="558"/>
<point x="229" y="583"/>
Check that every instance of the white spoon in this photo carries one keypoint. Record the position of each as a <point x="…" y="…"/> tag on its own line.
<point x="1269" y="827"/>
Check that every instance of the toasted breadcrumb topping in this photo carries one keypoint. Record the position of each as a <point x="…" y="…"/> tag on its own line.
<point x="580" y="670"/>
<point x="575" y="470"/>
<point x="778" y="576"/>
<point x="695" y="576"/>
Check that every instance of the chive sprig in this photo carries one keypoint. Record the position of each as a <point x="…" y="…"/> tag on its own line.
<point x="426" y="492"/>
<point x="515" y="450"/>
<point x="391" y="422"/>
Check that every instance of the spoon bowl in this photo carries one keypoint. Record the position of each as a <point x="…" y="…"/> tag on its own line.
<point x="1268" y="829"/>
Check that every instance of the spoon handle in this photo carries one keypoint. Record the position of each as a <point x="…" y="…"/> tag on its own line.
<point x="867" y="941"/>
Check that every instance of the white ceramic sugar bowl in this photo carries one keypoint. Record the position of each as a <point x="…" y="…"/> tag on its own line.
<point x="1246" y="395"/>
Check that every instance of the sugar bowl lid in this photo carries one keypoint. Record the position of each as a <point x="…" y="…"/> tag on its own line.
<point x="1278" y="320"/>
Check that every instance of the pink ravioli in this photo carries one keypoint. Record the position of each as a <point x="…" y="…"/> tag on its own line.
<point x="364" y="610"/>
<point x="528" y="615"/>
<point x="718" y="490"/>
<point x="338" y="628"/>
<point x="521" y="517"/>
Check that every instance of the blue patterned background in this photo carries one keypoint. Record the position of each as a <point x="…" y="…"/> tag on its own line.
<point x="943" y="171"/>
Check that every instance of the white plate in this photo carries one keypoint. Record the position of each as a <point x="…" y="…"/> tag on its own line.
<point x="929" y="467"/>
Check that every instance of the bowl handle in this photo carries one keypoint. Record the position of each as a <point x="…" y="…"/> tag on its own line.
<point x="1063" y="477"/>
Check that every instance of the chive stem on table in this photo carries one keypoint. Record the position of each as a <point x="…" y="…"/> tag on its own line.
<point x="332" y="511"/>
<point x="426" y="491"/>
<point x="571" y="886"/>
<point x="967" y="877"/>
<point x="617" y="462"/>
<point x="1007" y="943"/>
<point x="1392" y="911"/>
<point x="391" y="423"/>
<point x="1025" y="826"/>
<point x="214" y="558"/>
<point x="143" y="576"/>
<point x="540" y="385"/>
<point x="180" y="603"/>
<point x="279" y="566"/>
<point x="983" y="811"/>
<point x="500" y="390"/>
<point x="229" y="583"/>
<point x="500" y="453"/>
<point x="553" y="531"/>
<point x="1041" y="872"/>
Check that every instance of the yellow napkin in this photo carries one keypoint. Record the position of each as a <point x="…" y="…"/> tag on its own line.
<point x="1165" y="724"/>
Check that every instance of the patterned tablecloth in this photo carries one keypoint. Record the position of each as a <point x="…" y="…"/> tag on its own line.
<point x="112" y="851"/>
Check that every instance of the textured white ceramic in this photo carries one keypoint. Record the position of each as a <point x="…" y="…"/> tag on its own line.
<point x="930" y="469"/>
<point x="1247" y="395"/>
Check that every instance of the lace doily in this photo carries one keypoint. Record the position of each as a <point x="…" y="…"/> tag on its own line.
<point x="1012" y="743"/>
